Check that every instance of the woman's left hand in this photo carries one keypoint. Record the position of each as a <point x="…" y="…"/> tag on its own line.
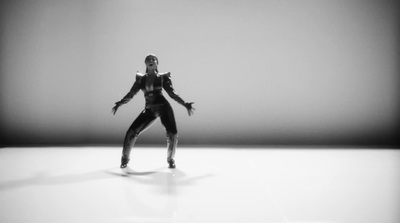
<point x="189" y="108"/>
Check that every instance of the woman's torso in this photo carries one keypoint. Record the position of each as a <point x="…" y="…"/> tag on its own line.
<point x="152" y="86"/>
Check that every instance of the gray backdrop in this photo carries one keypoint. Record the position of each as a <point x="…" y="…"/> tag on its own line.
<point x="260" y="72"/>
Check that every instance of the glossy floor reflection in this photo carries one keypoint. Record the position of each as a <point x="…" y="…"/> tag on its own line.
<point x="209" y="185"/>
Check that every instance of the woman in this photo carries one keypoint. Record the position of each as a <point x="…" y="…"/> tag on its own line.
<point x="152" y="83"/>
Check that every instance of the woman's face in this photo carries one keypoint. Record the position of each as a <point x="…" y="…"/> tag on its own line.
<point x="151" y="62"/>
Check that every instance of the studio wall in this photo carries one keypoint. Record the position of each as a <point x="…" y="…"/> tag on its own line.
<point x="260" y="72"/>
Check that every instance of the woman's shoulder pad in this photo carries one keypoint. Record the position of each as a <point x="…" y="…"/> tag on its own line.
<point x="166" y="74"/>
<point x="139" y="74"/>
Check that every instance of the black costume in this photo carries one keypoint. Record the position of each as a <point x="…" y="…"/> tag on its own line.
<point x="156" y="106"/>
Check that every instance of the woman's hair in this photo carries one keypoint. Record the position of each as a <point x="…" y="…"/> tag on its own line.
<point x="147" y="58"/>
<point x="150" y="55"/>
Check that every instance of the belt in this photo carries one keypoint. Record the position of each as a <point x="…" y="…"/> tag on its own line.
<point x="152" y="93"/>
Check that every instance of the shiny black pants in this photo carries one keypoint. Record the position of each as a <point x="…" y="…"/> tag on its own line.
<point x="149" y="115"/>
<point x="145" y="120"/>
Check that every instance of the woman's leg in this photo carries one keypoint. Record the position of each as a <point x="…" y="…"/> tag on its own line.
<point x="168" y="120"/>
<point x="141" y="123"/>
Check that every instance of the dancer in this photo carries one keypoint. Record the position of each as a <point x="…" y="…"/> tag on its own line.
<point x="152" y="83"/>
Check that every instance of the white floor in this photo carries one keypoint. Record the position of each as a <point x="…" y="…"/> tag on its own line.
<point x="209" y="185"/>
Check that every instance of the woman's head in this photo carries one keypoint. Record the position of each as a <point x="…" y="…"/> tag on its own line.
<point x="151" y="62"/>
<point x="150" y="57"/>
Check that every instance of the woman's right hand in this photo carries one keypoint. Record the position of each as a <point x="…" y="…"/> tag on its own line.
<point x="115" y="108"/>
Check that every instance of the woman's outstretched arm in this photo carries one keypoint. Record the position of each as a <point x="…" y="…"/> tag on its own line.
<point x="167" y="85"/>
<point x="134" y="90"/>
